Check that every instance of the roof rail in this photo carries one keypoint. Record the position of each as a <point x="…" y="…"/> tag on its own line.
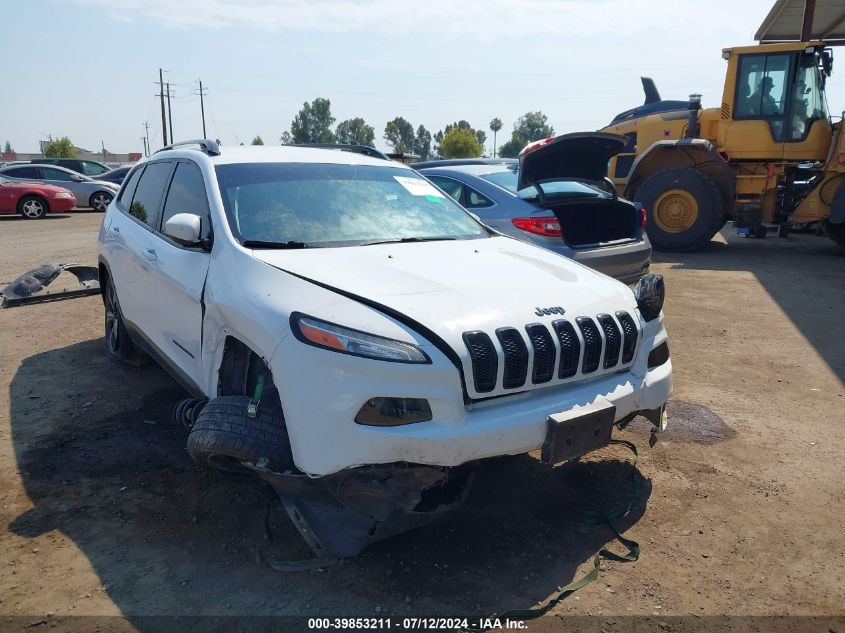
<point x="207" y="146"/>
<point x="347" y="147"/>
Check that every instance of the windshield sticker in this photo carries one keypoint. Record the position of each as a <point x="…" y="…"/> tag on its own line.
<point x="431" y="198"/>
<point x="418" y="186"/>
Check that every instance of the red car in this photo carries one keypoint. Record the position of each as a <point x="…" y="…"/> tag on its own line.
<point x="33" y="200"/>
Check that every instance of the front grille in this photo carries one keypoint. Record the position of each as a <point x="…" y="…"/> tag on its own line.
<point x="485" y="361"/>
<point x="630" y="334"/>
<point x="604" y="345"/>
<point x="544" y="353"/>
<point x="570" y="348"/>
<point x="516" y="357"/>
<point x="592" y="344"/>
<point x="613" y="340"/>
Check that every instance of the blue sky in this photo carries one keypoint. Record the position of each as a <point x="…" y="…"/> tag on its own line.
<point x="86" y="68"/>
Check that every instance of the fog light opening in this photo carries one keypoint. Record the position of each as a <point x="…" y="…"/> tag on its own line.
<point x="386" y="411"/>
<point x="659" y="355"/>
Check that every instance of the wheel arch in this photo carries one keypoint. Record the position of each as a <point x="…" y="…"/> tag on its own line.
<point x="696" y="153"/>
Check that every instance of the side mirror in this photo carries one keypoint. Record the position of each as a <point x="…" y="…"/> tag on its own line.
<point x="184" y="228"/>
<point x="77" y="179"/>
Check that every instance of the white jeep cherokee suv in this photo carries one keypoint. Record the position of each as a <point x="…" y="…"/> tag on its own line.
<point x="340" y="320"/>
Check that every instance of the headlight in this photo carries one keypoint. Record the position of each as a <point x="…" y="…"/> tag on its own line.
<point x="650" y="293"/>
<point x="63" y="194"/>
<point x="334" y="337"/>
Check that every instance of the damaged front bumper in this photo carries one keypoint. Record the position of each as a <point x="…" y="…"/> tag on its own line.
<point x="32" y="286"/>
<point x="339" y="515"/>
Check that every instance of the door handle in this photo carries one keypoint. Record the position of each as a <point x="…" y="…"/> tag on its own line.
<point x="150" y="254"/>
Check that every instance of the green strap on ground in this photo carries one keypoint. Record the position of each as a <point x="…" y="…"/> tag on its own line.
<point x="595" y="518"/>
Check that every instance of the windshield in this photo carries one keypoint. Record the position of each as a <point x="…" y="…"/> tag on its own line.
<point x="558" y="188"/>
<point x="337" y="205"/>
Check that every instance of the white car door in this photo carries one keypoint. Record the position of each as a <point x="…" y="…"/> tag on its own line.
<point x="176" y="277"/>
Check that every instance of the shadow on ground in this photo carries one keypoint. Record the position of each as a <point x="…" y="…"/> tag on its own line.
<point x="803" y="274"/>
<point x="103" y="464"/>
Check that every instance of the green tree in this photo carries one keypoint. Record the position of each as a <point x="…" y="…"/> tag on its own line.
<point x="313" y="123"/>
<point x="8" y="148"/>
<point x="495" y="126"/>
<point x="530" y="127"/>
<point x="355" y="132"/>
<point x="423" y="143"/>
<point x="533" y="126"/>
<point x="399" y="134"/>
<point x="257" y="141"/>
<point x="460" y="143"/>
<point x="60" y="148"/>
<point x="480" y="135"/>
<point x="286" y="138"/>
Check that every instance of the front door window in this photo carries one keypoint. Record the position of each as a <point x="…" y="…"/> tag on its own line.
<point x="762" y="90"/>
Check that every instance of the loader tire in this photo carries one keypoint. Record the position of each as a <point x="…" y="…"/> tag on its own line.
<point x="224" y="437"/>
<point x="684" y="208"/>
<point x="836" y="232"/>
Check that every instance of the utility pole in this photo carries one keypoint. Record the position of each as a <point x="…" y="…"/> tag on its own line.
<point x="146" y="138"/>
<point x="170" y="113"/>
<point x="144" y="141"/>
<point x="161" y="94"/>
<point x="202" y="107"/>
<point x="103" y="145"/>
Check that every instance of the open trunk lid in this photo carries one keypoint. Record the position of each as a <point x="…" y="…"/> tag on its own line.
<point x="582" y="155"/>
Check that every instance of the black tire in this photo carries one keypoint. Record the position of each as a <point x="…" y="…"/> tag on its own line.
<point x="118" y="344"/>
<point x="836" y="232"/>
<point x="709" y="214"/>
<point x="225" y="438"/>
<point x="32" y="207"/>
<point x="100" y="200"/>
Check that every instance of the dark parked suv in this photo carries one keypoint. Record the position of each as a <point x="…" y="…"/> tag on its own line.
<point x="86" y="167"/>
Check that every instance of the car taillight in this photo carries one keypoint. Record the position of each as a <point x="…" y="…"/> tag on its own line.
<point x="545" y="226"/>
<point x="642" y="217"/>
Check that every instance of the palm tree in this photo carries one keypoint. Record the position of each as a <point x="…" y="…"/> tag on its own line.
<point x="495" y="126"/>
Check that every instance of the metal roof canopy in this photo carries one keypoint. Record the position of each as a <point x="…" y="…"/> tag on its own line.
<point x="804" y="21"/>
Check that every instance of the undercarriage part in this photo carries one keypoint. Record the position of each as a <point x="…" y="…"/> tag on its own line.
<point x="31" y="287"/>
<point x="339" y="515"/>
<point x="186" y="411"/>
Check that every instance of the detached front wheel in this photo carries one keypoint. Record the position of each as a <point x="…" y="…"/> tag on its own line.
<point x="684" y="206"/>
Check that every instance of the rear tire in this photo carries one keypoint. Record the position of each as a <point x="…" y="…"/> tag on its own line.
<point x="100" y="201"/>
<point x="32" y="207"/>
<point x="118" y="344"/>
<point x="224" y="437"/>
<point x="684" y="206"/>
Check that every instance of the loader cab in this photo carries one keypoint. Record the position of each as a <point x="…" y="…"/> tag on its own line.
<point x="773" y="105"/>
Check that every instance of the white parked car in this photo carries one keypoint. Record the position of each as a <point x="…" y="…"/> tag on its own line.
<point x="353" y="335"/>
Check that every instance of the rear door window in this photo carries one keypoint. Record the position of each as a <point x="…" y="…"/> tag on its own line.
<point x="125" y="199"/>
<point x="476" y="200"/>
<point x="187" y="194"/>
<point x="146" y="203"/>
<point x="454" y="188"/>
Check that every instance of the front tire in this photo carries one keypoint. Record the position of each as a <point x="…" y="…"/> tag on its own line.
<point x="118" y="344"/>
<point x="684" y="206"/>
<point x="224" y="437"/>
<point x="32" y="207"/>
<point x="100" y="201"/>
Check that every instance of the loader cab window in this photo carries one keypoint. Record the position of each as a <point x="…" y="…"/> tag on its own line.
<point x="808" y="101"/>
<point x="762" y="90"/>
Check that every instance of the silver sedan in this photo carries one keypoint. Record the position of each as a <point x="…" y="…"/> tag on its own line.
<point x="96" y="194"/>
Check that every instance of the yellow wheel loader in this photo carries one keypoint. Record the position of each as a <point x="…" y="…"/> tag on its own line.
<point x="770" y="153"/>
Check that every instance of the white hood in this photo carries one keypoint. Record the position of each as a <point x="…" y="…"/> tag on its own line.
<point x="455" y="287"/>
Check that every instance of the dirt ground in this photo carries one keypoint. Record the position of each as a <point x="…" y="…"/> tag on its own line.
<point x="740" y="508"/>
